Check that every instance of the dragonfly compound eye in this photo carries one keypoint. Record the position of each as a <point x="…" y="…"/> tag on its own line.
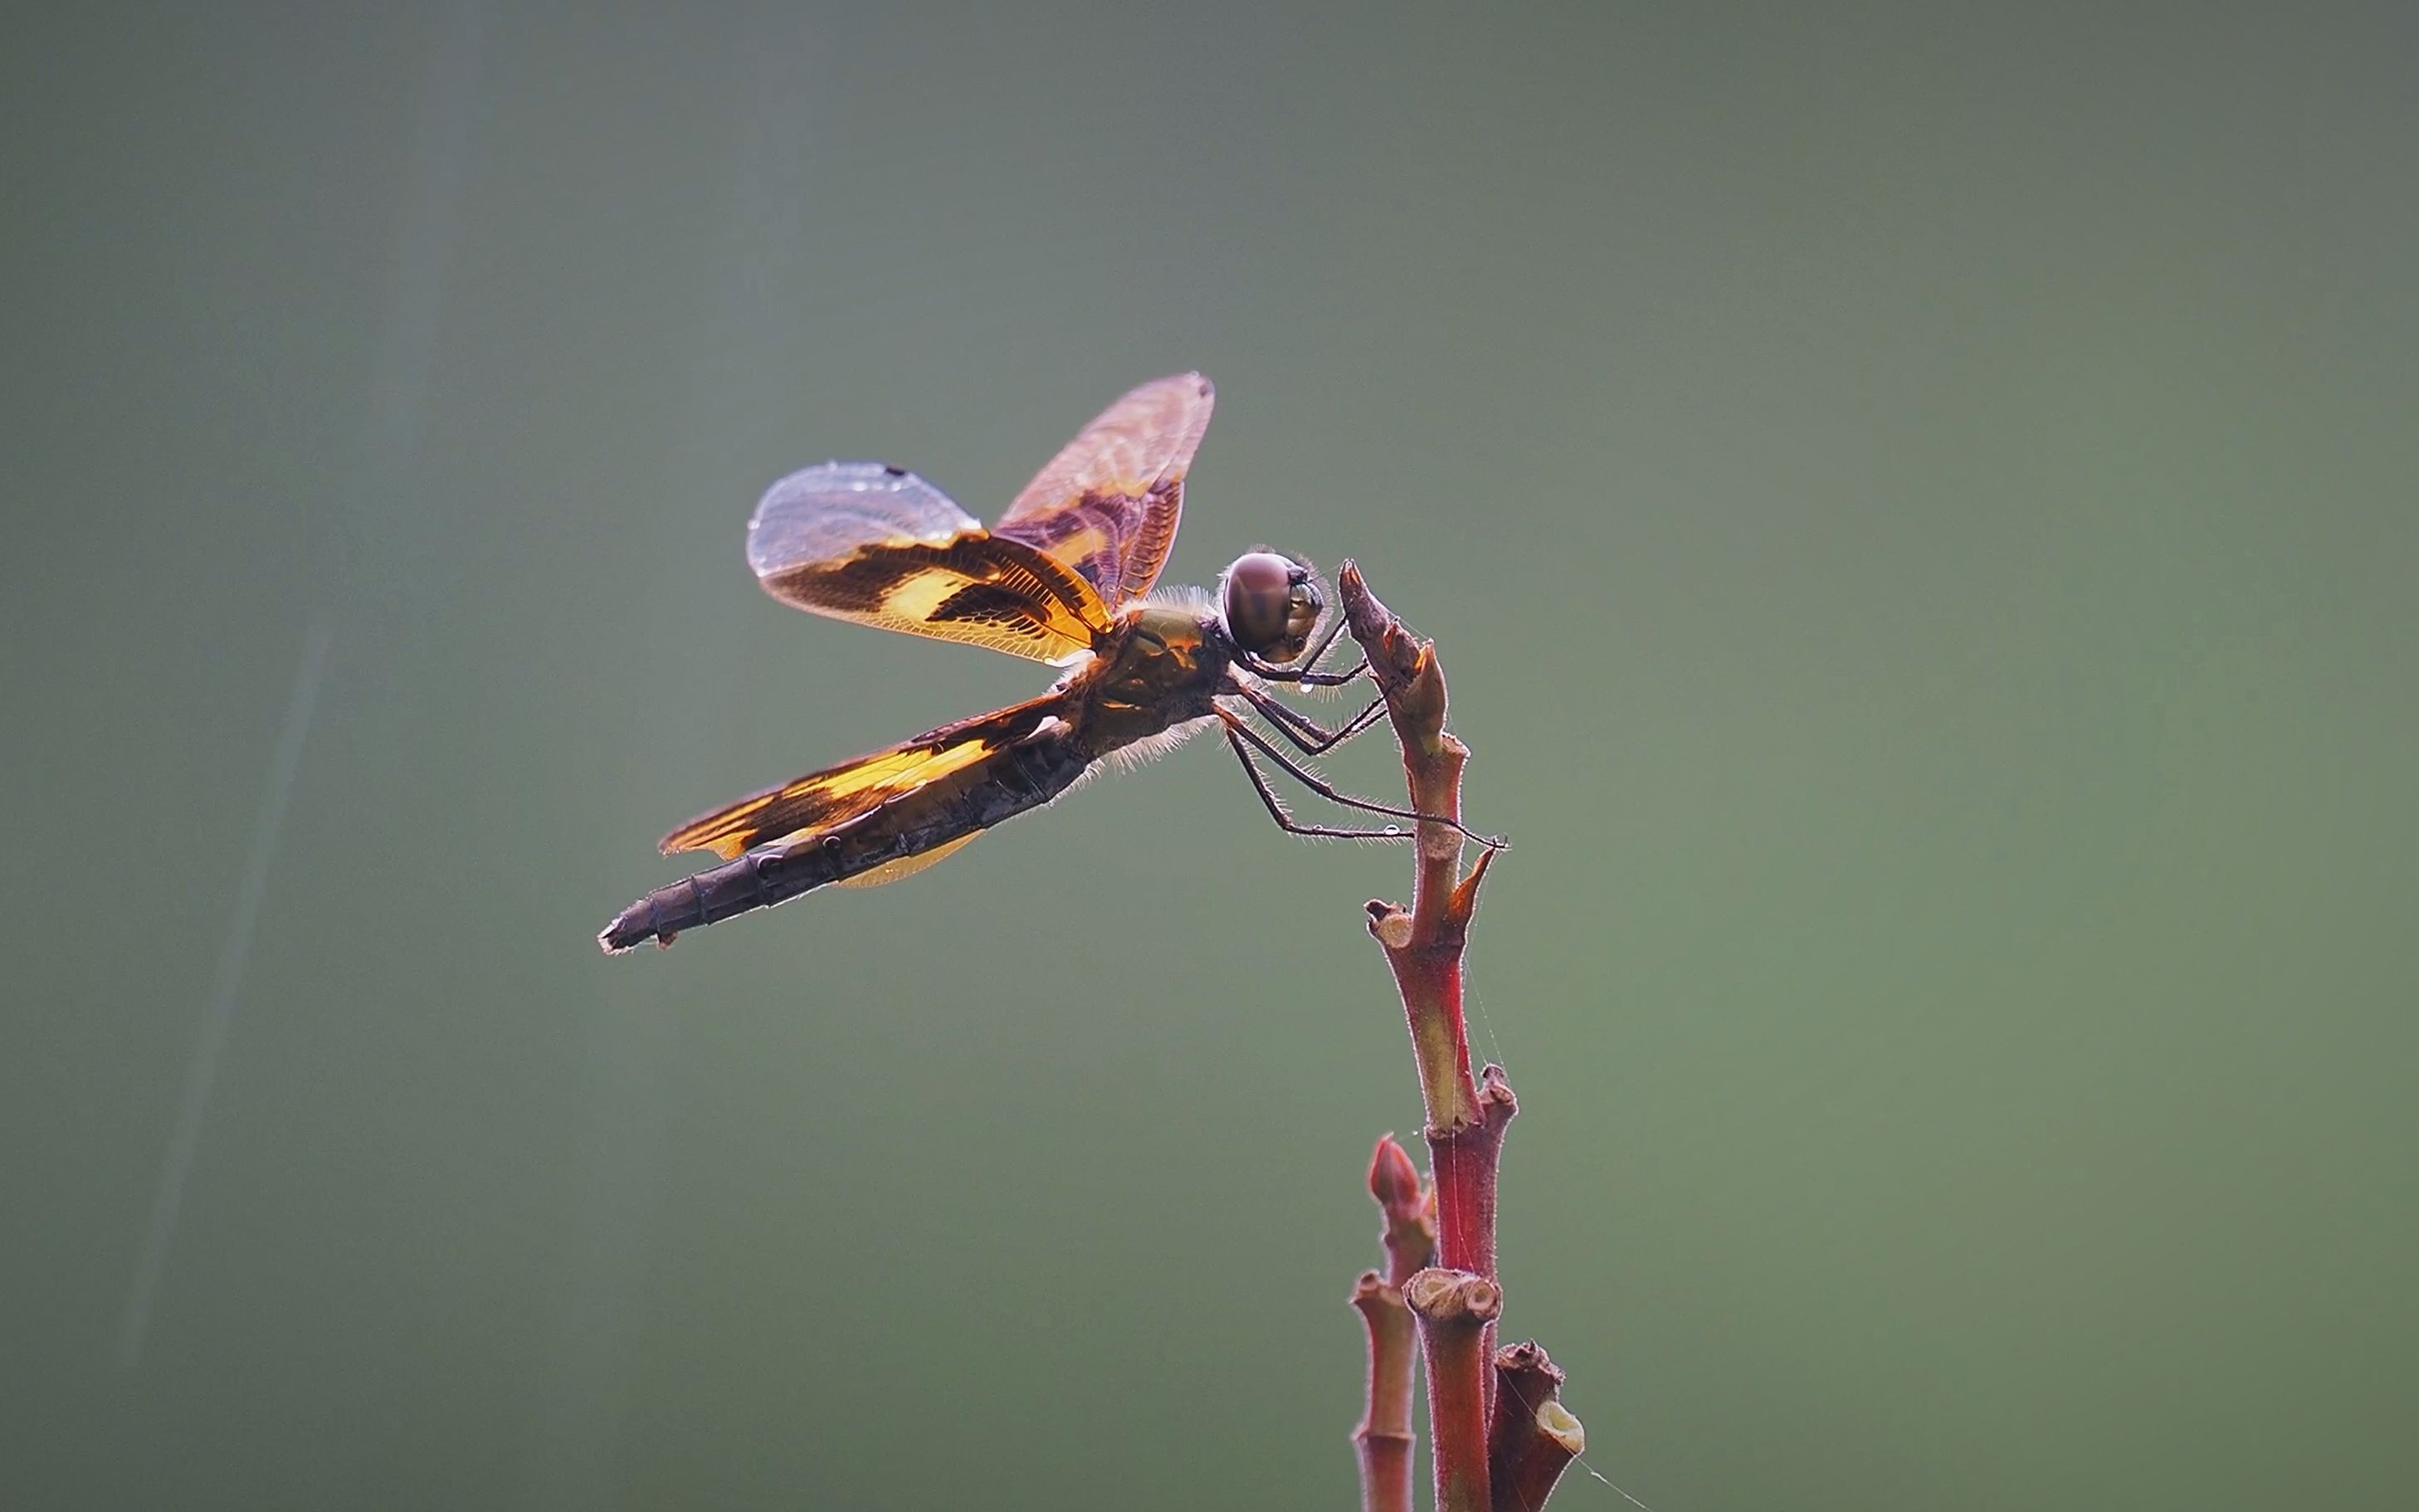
<point x="1270" y="605"/>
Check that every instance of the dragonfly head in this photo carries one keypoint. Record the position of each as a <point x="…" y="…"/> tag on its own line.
<point x="1270" y="604"/>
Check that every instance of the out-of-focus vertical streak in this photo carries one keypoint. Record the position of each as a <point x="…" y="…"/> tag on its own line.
<point x="748" y="293"/>
<point x="233" y="953"/>
<point x="393" y="545"/>
<point x="407" y="346"/>
<point x="396" y="413"/>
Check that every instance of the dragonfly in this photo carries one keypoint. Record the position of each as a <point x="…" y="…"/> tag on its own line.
<point x="1066" y="577"/>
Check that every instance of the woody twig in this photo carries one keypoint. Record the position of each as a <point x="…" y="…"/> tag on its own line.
<point x="1457" y="1302"/>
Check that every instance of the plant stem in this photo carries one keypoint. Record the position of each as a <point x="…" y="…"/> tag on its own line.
<point x="1465" y="1159"/>
<point x="1456" y="1305"/>
<point x="1453" y="1309"/>
<point x="1384" y="1435"/>
<point x="1423" y="944"/>
<point x="1531" y="1437"/>
<point x="1423" y="947"/>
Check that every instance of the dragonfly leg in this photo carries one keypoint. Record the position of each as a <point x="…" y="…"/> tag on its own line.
<point x="1285" y="820"/>
<point x="1305" y="671"/>
<point x="1305" y="676"/>
<point x="1308" y="736"/>
<point x="1237" y="729"/>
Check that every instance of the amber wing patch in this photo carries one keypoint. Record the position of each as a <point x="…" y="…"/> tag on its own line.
<point x="1107" y="505"/>
<point x="827" y="799"/>
<point x="974" y="588"/>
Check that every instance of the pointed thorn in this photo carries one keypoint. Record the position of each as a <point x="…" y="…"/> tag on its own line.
<point x="1465" y="892"/>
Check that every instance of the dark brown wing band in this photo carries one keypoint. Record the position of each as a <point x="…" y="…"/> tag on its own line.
<point x="824" y="800"/>
<point x="976" y="588"/>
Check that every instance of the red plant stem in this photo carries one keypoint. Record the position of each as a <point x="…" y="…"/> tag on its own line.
<point x="1478" y="1407"/>
<point x="1465" y="1159"/>
<point x="1531" y="1437"/>
<point x="1423" y="947"/>
<point x="1384" y="1436"/>
<point x="1455" y="1309"/>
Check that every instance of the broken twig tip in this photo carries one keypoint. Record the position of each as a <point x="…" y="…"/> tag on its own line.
<point x="1556" y="1421"/>
<point x="1448" y="1297"/>
<point x="1494" y="1087"/>
<point x="1389" y="924"/>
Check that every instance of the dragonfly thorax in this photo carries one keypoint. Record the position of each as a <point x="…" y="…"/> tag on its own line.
<point x="1163" y="667"/>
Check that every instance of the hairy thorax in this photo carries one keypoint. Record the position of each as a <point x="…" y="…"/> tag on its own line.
<point x="1163" y="669"/>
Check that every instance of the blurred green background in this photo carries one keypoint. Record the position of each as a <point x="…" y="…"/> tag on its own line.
<point x="1916" y="507"/>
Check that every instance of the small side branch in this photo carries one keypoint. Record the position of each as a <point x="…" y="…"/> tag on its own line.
<point x="1384" y="1438"/>
<point x="1531" y="1435"/>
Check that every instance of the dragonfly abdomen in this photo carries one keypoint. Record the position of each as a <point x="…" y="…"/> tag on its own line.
<point x="756" y="880"/>
<point x="999" y="785"/>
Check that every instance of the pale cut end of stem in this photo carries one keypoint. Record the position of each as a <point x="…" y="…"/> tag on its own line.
<point x="1454" y="1297"/>
<point x="1555" y="1440"/>
<point x="1391" y="925"/>
<point x="1525" y="1484"/>
<point x="1531" y="1435"/>
<point x="1568" y="1433"/>
<point x="1455" y="1309"/>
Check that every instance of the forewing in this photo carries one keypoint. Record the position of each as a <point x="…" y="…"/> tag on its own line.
<point x="824" y="800"/>
<point x="1108" y="505"/>
<point x="880" y="545"/>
